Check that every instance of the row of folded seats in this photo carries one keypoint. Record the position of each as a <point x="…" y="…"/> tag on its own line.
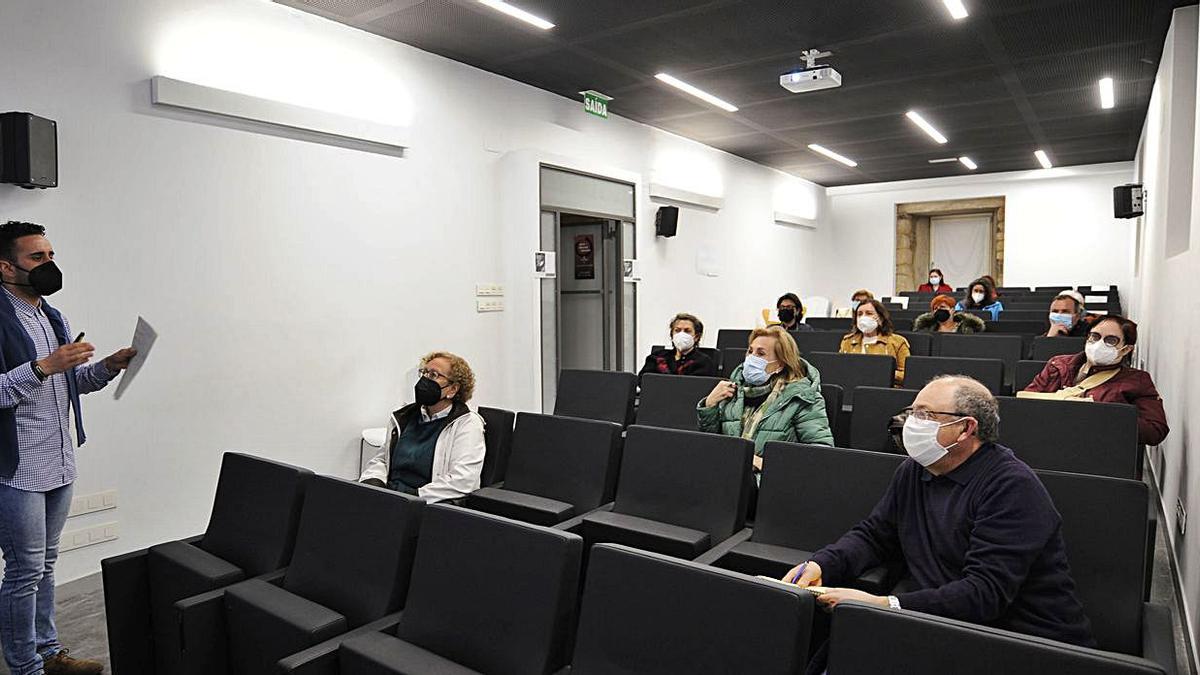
<point x="1009" y="350"/>
<point x="648" y="569"/>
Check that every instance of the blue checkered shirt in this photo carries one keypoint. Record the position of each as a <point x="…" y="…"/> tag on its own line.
<point x="43" y="408"/>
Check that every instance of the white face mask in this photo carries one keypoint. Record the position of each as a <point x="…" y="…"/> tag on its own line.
<point x="867" y="324"/>
<point x="683" y="341"/>
<point x="1100" y="354"/>
<point x="920" y="440"/>
<point x="978" y="297"/>
<point x="935" y="281"/>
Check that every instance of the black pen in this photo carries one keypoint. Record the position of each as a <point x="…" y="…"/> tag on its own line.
<point x="79" y="338"/>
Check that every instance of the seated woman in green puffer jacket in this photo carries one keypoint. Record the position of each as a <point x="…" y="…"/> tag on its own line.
<point x="773" y="396"/>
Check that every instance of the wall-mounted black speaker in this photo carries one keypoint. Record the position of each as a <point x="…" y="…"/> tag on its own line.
<point x="1128" y="201"/>
<point x="666" y="221"/>
<point x="28" y="150"/>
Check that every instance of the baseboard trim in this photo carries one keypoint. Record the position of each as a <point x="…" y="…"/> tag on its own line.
<point x="1173" y="558"/>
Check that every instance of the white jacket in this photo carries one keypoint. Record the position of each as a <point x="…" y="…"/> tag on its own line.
<point x="457" y="459"/>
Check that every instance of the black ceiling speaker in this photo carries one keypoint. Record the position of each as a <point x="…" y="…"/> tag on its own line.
<point x="28" y="150"/>
<point x="666" y="221"/>
<point x="1128" y="201"/>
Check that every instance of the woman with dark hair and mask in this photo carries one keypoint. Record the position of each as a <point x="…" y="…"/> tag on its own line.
<point x="1102" y="373"/>
<point x="941" y="318"/>
<point x="982" y="297"/>
<point x="434" y="446"/>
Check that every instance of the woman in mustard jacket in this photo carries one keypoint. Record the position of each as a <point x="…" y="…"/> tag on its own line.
<point x="873" y="334"/>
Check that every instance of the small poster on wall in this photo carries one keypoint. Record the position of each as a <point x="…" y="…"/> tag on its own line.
<point x="544" y="264"/>
<point x="585" y="257"/>
<point x="630" y="271"/>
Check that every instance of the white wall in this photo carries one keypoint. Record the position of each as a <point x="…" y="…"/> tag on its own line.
<point x="295" y="284"/>
<point x="1164" y="302"/>
<point x="1058" y="228"/>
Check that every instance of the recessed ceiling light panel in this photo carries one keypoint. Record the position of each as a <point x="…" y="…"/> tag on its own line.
<point x="518" y="13"/>
<point x="831" y="154"/>
<point x="698" y="93"/>
<point x="925" y="126"/>
<point x="1107" y="95"/>
<point x="1043" y="159"/>
<point x="956" y="9"/>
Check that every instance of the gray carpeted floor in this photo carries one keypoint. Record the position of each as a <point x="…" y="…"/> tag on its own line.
<point x="81" y="614"/>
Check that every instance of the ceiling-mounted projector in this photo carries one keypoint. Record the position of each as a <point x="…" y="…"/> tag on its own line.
<point x="812" y="77"/>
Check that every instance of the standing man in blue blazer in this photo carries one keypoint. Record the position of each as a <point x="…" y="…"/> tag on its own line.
<point x="43" y="371"/>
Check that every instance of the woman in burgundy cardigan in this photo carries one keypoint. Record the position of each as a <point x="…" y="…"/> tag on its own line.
<point x="1109" y="345"/>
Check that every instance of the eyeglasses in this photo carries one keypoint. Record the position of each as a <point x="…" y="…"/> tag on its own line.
<point x="432" y="374"/>
<point x="1110" y="340"/>
<point x="926" y="415"/>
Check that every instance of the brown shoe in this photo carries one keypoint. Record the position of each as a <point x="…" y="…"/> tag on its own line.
<point x="62" y="664"/>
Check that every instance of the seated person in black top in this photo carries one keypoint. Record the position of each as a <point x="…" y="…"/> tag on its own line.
<point x="1068" y="316"/>
<point x="979" y="535"/>
<point x="434" y="446"/>
<point x="790" y="311"/>
<point x="683" y="356"/>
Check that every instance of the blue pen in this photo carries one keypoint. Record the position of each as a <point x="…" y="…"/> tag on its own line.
<point x="799" y="573"/>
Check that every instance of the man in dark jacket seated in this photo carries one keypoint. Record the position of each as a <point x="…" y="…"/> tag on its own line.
<point x="978" y="532"/>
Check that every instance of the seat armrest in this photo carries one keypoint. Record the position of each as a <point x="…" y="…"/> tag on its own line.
<point x="322" y="659"/>
<point x="573" y="524"/>
<point x="202" y="635"/>
<point x="717" y="552"/>
<point x="1158" y="637"/>
<point x="127" y="602"/>
<point x="274" y="578"/>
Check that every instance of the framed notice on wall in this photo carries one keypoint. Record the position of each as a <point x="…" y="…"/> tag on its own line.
<point x="543" y="264"/>
<point x="585" y="256"/>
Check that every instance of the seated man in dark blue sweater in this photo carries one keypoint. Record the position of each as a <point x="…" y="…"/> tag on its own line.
<point x="977" y="530"/>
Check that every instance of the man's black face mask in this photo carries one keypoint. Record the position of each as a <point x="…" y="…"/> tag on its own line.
<point x="45" y="279"/>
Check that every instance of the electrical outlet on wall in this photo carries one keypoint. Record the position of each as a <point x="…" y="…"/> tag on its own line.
<point x="489" y="305"/>
<point x="1180" y="517"/>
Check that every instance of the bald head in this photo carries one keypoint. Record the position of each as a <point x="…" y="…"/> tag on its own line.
<point x="963" y="397"/>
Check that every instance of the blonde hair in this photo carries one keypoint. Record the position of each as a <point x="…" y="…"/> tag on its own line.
<point x="460" y="373"/>
<point x="785" y="349"/>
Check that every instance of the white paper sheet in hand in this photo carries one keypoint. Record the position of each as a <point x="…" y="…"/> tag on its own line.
<point x="143" y="338"/>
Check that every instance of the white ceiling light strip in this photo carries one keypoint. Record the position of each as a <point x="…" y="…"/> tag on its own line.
<point x="956" y="9"/>
<point x="1107" y="95"/>
<point x="698" y="93"/>
<point x="916" y="119"/>
<point x="831" y="154"/>
<point x="518" y="13"/>
<point x="968" y="162"/>
<point x="1043" y="159"/>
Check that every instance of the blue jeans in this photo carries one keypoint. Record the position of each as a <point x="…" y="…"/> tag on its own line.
<point x="30" y="525"/>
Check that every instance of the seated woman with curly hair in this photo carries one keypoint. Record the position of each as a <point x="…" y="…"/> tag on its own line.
<point x="434" y="446"/>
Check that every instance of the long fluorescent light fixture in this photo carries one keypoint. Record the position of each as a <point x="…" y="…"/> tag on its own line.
<point x="831" y="154"/>
<point x="968" y="162"/>
<point x="1107" y="96"/>
<point x="925" y="126"/>
<point x="698" y="93"/>
<point x="943" y="160"/>
<point x="517" y="13"/>
<point x="956" y="8"/>
<point x="1043" y="159"/>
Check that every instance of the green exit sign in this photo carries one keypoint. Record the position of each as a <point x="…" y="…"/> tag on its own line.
<point x="595" y="103"/>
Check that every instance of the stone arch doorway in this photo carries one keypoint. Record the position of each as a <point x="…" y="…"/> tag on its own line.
<point x="913" y="235"/>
